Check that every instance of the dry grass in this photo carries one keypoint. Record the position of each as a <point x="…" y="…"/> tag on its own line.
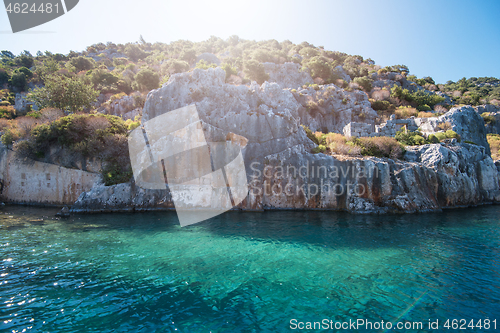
<point x="444" y="126"/>
<point x="25" y="124"/>
<point x="334" y="138"/>
<point x="4" y="123"/>
<point x="494" y="141"/>
<point x="51" y="114"/>
<point x="382" y="146"/>
<point x="404" y="112"/>
<point x="440" y="109"/>
<point x="424" y="114"/>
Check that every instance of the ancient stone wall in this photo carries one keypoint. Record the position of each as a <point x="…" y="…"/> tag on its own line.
<point x="34" y="182"/>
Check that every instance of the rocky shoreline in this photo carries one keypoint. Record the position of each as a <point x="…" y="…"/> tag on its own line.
<point x="429" y="177"/>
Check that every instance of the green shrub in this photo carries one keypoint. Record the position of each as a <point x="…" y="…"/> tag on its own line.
<point x="147" y="79"/>
<point x="174" y="66"/>
<point x="432" y="139"/>
<point x="230" y="70"/>
<point x="7" y="112"/>
<point x="120" y="61"/>
<point x="25" y="71"/>
<point x="365" y="82"/>
<point x="451" y="134"/>
<point x="4" y="76"/>
<point x="441" y="136"/>
<point x="255" y="71"/>
<point x="18" y="80"/>
<point x="81" y="63"/>
<point x="202" y="64"/>
<point x="34" y="114"/>
<point x="9" y="136"/>
<point x="188" y="55"/>
<point x="380" y="105"/>
<point x="410" y="138"/>
<point x="419" y="98"/>
<point x="488" y="118"/>
<point x="310" y="134"/>
<point x="134" y="52"/>
<point x="319" y="149"/>
<point x="418" y="140"/>
<point x="318" y="66"/>
<point x="133" y="124"/>
<point x="91" y="135"/>
<point x="64" y="93"/>
<point x="424" y="107"/>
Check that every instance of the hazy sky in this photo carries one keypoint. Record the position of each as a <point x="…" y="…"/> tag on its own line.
<point x="443" y="39"/>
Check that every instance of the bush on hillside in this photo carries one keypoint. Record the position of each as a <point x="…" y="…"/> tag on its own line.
<point x="382" y="146"/>
<point x="255" y="71"/>
<point x="7" y="112"/>
<point x="365" y="82"/>
<point x="93" y="136"/>
<point x="71" y="94"/>
<point x="82" y="63"/>
<point x="147" y="79"/>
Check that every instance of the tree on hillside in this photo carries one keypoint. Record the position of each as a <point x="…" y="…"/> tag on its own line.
<point x="82" y="63"/>
<point x="319" y="67"/>
<point x="25" y="59"/>
<point x="188" y="55"/>
<point x="20" y="77"/>
<point x="48" y="67"/>
<point x="71" y="94"/>
<point x="255" y="71"/>
<point x="134" y="52"/>
<point x="147" y="79"/>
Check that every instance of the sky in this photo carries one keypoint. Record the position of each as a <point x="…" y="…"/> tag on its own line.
<point x="446" y="40"/>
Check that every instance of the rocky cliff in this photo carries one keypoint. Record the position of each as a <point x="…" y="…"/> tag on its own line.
<point x="281" y="171"/>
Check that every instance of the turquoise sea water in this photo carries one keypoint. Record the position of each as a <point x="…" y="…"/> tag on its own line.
<point x="245" y="272"/>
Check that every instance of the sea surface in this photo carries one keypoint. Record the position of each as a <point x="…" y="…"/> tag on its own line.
<point x="248" y="272"/>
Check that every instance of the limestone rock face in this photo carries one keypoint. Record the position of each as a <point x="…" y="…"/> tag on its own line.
<point x="282" y="173"/>
<point x="329" y="108"/>
<point x="22" y="105"/>
<point x="468" y="124"/>
<point x="341" y="74"/>
<point x="287" y="75"/>
<point x="465" y="173"/>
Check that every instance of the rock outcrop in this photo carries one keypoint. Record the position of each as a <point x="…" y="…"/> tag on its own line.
<point x="329" y="108"/>
<point x="125" y="107"/>
<point x="282" y="172"/>
<point x="287" y="75"/>
<point x="465" y="121"/>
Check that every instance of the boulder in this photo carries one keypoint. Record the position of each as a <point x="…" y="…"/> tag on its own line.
<point x="468" y="124"/>
<point x="339" y="73"/>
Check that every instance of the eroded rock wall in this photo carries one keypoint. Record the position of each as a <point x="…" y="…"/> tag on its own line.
<point x="282" y="172"/>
